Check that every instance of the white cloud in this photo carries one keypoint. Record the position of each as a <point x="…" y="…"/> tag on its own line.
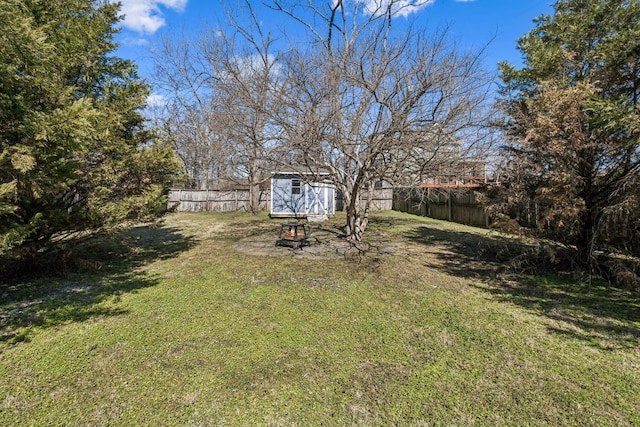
<point x="156" y="100"/>
<point x="398" y="7"/>
<point x="145" y="16"/>
<point x="135" y="42"/>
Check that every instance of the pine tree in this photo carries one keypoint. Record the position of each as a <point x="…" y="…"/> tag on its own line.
<point x="74" y="153"/>
<point x="572" y="119"/>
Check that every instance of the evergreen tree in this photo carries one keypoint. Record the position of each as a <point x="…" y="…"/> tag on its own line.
<point x="74" y="154"/>
<point x="572" y="119"/>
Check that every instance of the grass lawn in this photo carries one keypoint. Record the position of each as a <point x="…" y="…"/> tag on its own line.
<point x="195" y="323"/>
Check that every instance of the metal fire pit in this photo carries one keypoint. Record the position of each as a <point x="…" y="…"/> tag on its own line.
<point x="293" y="235"/>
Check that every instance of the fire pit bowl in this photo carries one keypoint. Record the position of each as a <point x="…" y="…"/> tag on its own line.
<point x="293" y="235"/>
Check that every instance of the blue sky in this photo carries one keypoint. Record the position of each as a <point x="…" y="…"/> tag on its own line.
<point x="472" y="22"/>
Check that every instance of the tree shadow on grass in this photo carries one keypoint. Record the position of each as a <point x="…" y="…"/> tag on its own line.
<point x="96" y="271"/>
<point x="524" y="274"/>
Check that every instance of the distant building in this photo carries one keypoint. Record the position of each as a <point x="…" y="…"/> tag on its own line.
<point x="460" y="174"/>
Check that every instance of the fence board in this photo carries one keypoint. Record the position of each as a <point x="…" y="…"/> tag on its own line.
<point x="450" y="205"/>
<point x="382" y="199"/>
<point x="212" y="200"/>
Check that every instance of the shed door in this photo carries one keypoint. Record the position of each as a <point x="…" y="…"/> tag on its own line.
<point x="316" y="199"/>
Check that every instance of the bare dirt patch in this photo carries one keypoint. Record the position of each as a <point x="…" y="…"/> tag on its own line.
<point x="323" y="244"/>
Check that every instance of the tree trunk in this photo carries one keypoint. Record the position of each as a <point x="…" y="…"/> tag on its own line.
<point x="254" y="197"/>
<point x="355" y="227"/>
<point x="254" y="184"/>
<point x="585" y="238"/>
<point x="356" y="220"/>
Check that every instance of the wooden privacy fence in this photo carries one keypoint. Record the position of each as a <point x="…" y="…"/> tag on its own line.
<point x="381" y="199"/>
<point x="213" y="200"/>
<point x="447" y="204"/>
<point x="456" y="205"/>
<point x="238" y="199"/>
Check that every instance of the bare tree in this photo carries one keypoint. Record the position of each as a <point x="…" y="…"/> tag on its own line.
<point x="365" y="104"/>
<point x="248" y="84"/>
<point x="222" y="89"/>
<point x="190" y="117"/>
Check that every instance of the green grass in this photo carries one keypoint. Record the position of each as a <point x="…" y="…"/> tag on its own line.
<point x="177" y="325"/>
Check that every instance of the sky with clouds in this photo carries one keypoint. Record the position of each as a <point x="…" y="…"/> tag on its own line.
<point x="472" y="22"/>
<point x="145" y="17"/>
